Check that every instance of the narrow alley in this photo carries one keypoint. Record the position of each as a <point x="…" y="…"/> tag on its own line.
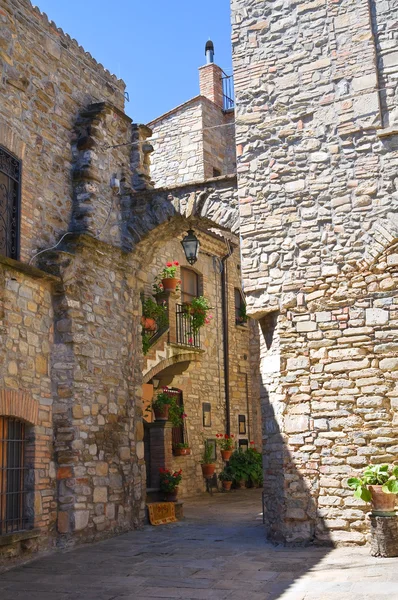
<point x="219" y="551"/>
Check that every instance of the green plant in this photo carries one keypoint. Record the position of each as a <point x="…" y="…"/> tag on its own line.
<point x="255" y="465"/>
<point x="176" y="413"/>
<point x="152" y="310"/>
<point x="384" y="475"/>
<point x="198" y="309"/>
<point x="239" y="465"/>
<point x="169" y="480"/>
<point x="146" y="340"/>
<point x="207" y="457"/>
<point x="161" y="399"/>
<point x="227" y="474"/>
<point x="181" y="446"/>
<point x="169" y="271"/>
<point x="225" y="441"/>
<point x="242" y="317"/>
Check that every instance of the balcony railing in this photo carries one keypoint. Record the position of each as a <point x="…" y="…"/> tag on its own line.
<point x="228" y="91"/>
<point x="185" y="333"/>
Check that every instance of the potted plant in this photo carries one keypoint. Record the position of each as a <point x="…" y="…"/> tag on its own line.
<point x="161" y="406"/>
<point x="208" y="466"/>
<point x="255" y="466"/>
<point x="226" y="477"/>
<point x="182" y="449"/>
<point x="168" y="276"/>
<point x="226" y="443"/>
<point x="378" y="484"/>
<point x="176" y="413"/>
<point x="154" y="316"/>
<point x="169" y="481"/>
<point x="198" y="309"/>
<point x="240" y="467"/>
<point x="242" y="315"/>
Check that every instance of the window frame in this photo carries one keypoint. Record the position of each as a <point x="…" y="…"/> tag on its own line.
<point x="14" y="516"/>
<point x="14" y="164"/>
<point x="184" y="293"/>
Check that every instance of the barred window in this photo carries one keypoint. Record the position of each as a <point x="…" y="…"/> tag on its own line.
<point x="13" y="514"/>
<point x="10" y="182"/>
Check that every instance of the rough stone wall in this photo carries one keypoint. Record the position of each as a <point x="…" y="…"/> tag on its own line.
<point x="218" y="140"/>
<point x="177" y="140"/>
<point x="47" y="79"/>
<point x="317" y="189"/>
<point x="202" y="378"/>
<point x="26" y="326"/>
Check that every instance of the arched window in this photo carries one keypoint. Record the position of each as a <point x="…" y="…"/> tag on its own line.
<point x="189" y="285"/>
<point x="13" y="513"/>
<point x="10" y="181"/>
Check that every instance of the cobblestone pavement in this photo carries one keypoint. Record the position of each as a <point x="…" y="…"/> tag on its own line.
<point x="218" y="551"/>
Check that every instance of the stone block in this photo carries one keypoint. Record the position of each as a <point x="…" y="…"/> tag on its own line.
<point x="389" y="364"/>
<point x="304" y="326"/>
<point x="301" y="362"/>
<point x="100" y="494"/>
<point x="376" y="316"/>
<point x="81" y="518"/>
<point x="348" y="365"/>
<point x="296" y="423"/>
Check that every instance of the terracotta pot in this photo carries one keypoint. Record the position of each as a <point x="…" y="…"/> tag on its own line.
<point x="148" y="323"/>
<point x="208" y="470"/>
<point x="382" y="502"/>
<point x="182" y="451"/>
<point x="241" y="484"/>
<point x="171" y="496"/>
<point x="162" y="413"/>
<point x="226" y="485"/>
<point x="170" y="284"/>
<point x="226" y="454"/>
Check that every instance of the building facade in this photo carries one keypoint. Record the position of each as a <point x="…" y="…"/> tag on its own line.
<point x="82" y="232"/>
<point x="316" y="133"/>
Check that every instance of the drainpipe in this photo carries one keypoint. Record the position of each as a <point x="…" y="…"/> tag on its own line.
<point x="224" y="309"/>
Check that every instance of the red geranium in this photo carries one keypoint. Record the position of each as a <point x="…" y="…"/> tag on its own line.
<point x="225" y="441"/>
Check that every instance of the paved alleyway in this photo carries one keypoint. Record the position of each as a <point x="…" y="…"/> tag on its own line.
<point x="218" y="552"/>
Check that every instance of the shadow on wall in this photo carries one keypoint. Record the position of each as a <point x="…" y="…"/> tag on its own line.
<point x="291" y="479"/>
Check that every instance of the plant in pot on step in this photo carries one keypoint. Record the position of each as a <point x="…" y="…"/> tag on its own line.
<point x="168" y="276"/>
<point x="226" y="477"/>
<point x="226" y="443"/>
<point x="207" y="462"/>
<point x="378" y="484"/>
<point x="169" y="481"/>
<point x="182" y="449"/>
<point x="161" y="406"/>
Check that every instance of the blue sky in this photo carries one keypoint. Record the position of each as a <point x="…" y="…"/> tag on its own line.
<point x="155" y="46"/>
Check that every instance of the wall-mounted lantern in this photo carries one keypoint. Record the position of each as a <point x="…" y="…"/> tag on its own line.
<point x="191" y="246"/>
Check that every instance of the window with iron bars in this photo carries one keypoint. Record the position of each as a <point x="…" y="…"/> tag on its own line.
<point x="10" y="190"/>
<point x="13" y="472"/>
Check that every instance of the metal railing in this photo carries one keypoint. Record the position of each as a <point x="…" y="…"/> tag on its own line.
<point x="185" y="333"/>
<point x="228" y="91"/>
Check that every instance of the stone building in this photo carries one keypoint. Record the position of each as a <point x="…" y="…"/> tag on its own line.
<point x="196" y="140"/>
<point x="82" y="233"/>
<point x="317" y="146"/>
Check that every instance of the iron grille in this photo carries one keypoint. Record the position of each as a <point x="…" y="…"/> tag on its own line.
<point x="12" y="476"/>
<point x="10" y="184"/>
<point x="185" y="332"/>
<point x="178" y="433"/>
<point x="228" y="91"/>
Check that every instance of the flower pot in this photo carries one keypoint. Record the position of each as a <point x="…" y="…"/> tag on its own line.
<point x="208" y="470"/>
<point x="382" y="502"/>
<point x="148" y="323"/>
<point x="241" y="484"/>
<point x="226" y="454"/>
<point x="182" y="451"/>
<point x="226" y="485"/>
<point x="171" y="496"/>
<point x="161" y="412"/>
<point x="170" y="284"/>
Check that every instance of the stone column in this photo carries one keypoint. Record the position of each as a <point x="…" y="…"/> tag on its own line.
<point x="384" y="536"/>
<point x="160" y="449"/>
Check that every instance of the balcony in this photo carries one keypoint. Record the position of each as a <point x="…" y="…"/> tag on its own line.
<point x="185" y="335"/>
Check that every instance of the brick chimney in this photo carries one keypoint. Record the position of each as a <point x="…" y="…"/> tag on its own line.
<point x="210" y="78"/>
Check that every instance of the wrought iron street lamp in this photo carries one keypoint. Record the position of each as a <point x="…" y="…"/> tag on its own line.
<point x="191" y="246"/>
